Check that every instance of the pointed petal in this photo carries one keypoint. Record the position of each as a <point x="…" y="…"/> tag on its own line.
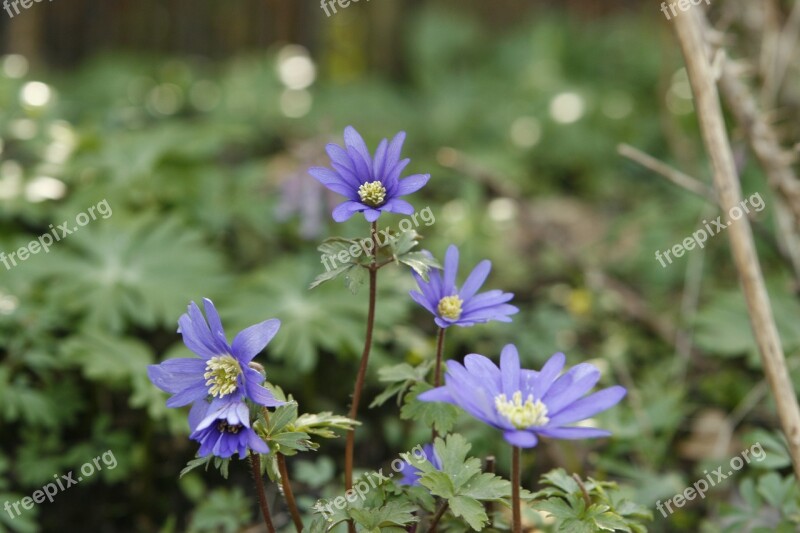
<point x="379" y="162"/>
<point x="396" y="205"/>
<point x="423" y="301"/>
<point x="588" y="406"/>
<point x="450" y="270"/>
<point x="439" y="394"/>
<point x="412" y="184"/>
<point x="333" y="181"/>
<point x="175" y="375"/>
<point x="550" y="371"/>
<point x="188" y="395"/>
<point x="510" y="369"/>
<point x="574" y="433"/>
<point x="262" y="396"/>
<point x="475" y="279"/>
<point x="346" y="210"/>
<point x="249" y="342"/>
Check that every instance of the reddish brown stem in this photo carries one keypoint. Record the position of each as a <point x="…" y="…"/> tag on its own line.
<point x="362" y="370"/>
<point x="255" y="464"/>
<point x="517" y="512"/>
<point x="288" y="494"/>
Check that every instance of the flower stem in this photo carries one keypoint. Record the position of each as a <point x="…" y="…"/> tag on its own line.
<point x="437" y="372"/>
<point x="255" y="464"/>
<point x="288" y="494"/>
<point x="437" y="376"/>
<point x="362" y="370"/>
<point x="517" y="514"/>
<point x="438" y="516"/>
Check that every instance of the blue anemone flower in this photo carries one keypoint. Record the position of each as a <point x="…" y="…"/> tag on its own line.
<point x="225" y="430"/>
<point x="411" y="473"/>
<point x="526" y="404"/>
<point x="454" y="307"/>
<point x="223" y="370"/>
<point x="372" y="185"/>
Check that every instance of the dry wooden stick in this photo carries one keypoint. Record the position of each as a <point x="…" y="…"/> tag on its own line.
<point x="712" y="126"/>
<point x="675" y="176"/>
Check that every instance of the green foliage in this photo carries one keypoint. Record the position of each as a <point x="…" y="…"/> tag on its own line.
<point x="461" y="481"/>
<point x="440" y="416"/>
<point x="588" y="506"/>
<point x="223" y="510"/>
<point x="760" y="501"/>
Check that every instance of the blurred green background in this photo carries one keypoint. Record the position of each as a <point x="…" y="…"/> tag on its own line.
<point x="196" y="122"/>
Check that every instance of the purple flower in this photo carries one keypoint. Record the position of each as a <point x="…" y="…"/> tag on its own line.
<point x="371" y="185"/>
<point x="526" y="404"/>
<point x="222" y="371"/>
<point x="225" y="429"/>
<point x="462" y="307"/>
<point x="410" y="472"/>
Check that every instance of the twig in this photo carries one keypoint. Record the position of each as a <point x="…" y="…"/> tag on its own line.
<point x="715" y="136"/>
<point x="675" y="176"/>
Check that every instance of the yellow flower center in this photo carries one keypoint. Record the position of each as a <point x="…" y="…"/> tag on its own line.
<point x="522" y="415"/>
<point x="222" y="372"/>
<point x="372" y="193"/>
<point x="450" y="307"/>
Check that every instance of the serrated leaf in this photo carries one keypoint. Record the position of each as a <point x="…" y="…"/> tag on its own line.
<point x="471" y="510"/>
<point x="440" y="416"/>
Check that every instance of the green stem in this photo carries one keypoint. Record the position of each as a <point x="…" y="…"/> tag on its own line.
<point x="517" y="513"/>
<point x="362" y="370"/>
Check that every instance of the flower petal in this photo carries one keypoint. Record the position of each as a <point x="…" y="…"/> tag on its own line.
<point x="396" y="205"/>
<point x="333" y="181"/>
<point x="521" y="438"/>
<point x="249" y="342"/>
<point x="189" y="395"/>
<point x="450" y="270"/>
<point x="439" y="394"/>
<point x="550" y="371"/>
<point x="588" y="406"/>
<point x="510" y="369"/>
<point x="175" y="375"/>
<point x="412" y="184"/>
<point x="574" y="433"/>
<point x="475" y="279"/>
<point x="261" y="395"/>
<point x="346" y="210"/>
<point x="372" y="214"/>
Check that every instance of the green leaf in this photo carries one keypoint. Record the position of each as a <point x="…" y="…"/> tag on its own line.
<point x="438" y="415"/>
<point x="471" y="510"/>
<point x="400" y="377"/>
